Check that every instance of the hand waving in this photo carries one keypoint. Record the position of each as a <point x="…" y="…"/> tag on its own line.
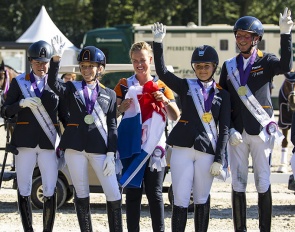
<point x="159" y="31"/>
<point x="58" y="46"/>
<point x="286" y="22"/>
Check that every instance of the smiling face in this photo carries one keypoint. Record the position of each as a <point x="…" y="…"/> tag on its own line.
<point x="39" y="68"/>
<point x="141" y="60"/>
<point x="245" y="39"/>
<point x="89" y="70"/>
<point x="204" y="70"/>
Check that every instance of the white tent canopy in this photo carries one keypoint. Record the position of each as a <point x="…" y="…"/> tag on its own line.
<point x="43" y="28"/>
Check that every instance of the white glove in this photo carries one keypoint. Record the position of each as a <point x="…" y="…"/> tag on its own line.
<point x="285" y="22"/>
<point x="235" y="138"/>
<point x="57" y="45"/>
<point x="159" y="31"/>
<point x="109" y="164"/>
<point x="31" y="102"/>
<point x="216" y="169"/>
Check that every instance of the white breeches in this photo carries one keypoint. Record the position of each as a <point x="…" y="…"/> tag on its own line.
<point x="25" y="163"/>
<point x="239" y="162"/>
<point x="78" y="166"/>
<point x="190" y="171"/>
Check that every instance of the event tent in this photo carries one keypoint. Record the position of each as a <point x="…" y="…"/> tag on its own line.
<point x="43" y="28"/>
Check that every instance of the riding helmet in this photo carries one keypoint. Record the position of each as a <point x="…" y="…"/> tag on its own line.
<point x="249" y="24"/>
<point x="92" y="54"/>
<point x="204" y="54"/>
<point x="40" y="51"/>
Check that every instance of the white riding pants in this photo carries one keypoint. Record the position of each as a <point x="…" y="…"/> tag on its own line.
<point x="78" y="166"/>
<point x="190" y="171"/>
<point x="25" y="163"/>
<point x="239" y="162"/>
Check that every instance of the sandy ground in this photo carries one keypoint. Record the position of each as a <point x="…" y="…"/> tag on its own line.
<point x="220" y="216"/>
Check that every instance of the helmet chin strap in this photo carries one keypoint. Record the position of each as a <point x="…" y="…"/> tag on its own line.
<point x="253" y="44"/>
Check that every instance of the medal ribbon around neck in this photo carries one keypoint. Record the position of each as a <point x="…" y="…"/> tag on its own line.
<point x="245" y="74"/>
<point x="208" y="97"/>
<point x="89" y="103"/>
<point x="34" y="84"/>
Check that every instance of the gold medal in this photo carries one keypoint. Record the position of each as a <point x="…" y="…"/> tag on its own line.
<point x="207" y="117"/>
<point x="242" y="90"/>
<point x="88" y="119"/>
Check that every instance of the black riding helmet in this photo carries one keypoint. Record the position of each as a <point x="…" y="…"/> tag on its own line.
<point x="204" y="54"/>
<point x="92" y="54"/>
<point x="40" y="51"/>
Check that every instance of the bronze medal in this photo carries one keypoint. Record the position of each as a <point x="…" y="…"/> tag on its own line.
<point x="88" y="119"/>
<point x="242" y="90"/>
<point x="207" y="117"/>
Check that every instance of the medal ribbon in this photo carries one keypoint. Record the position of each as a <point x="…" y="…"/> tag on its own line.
<point x="208" y="97"/>
<point x="34" y="84"/>
<point x="90" y="102"/>
<point x="245" y="74"/>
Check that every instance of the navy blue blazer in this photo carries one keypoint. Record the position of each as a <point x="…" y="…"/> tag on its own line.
<point x="265" y="67"/>
<point x="189" y="130"/>
<point x="78" y="135"/>
<point x="27" y="131"/>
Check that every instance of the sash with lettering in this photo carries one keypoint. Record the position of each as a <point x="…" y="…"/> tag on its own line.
<point x="97" y="113"/>
<point x="210" y="126"/>
<point x="252" y="104"/>
<point x="39" y="112"/>
<point x="139" y="133"/>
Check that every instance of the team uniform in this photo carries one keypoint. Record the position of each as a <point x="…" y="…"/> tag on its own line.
<point x="37" y="111"/>
<point x="252" y="118"/>
<point x="90" y="136"/>
<point x="152" y="178"/>
<point x="193" y="150"/>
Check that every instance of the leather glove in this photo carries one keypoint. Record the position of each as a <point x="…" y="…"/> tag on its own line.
<point x="216" y="169"/>
<point x="159" y="31"/>
<point x="31" y="102"/>
<point x="286" y="22"/>
<point x="235" y="138"/>
<point x="58" y="46"/>
<point x="109" y="164"/>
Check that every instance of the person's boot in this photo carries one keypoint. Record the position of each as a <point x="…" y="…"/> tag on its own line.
<point x="82" y="206"/>
<point x="239" y="211"/>
<point x="179" y="218"/>
<point x="265" y="210"/>
<point x="115" y="215"/>
<point x="49" y="209"/>
<point x="25" y="210"/>
<point x="202" y="212"/>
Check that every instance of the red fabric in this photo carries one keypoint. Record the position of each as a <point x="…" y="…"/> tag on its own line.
<point x="148" y="104"/>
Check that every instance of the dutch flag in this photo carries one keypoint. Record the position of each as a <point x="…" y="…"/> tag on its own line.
<point x="139" y="132"/>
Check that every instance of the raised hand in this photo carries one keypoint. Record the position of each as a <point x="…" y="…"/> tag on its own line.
<point x="58" y="46"/>
<point x="159" y="32"/>
<point x="286" y="22"/>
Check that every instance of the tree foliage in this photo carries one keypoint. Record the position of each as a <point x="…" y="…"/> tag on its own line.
<point x="75" y="17"/>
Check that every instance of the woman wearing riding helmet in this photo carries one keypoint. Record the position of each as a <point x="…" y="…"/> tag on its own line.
<point x="91" y="133"/>
<point x="196" y="157"/>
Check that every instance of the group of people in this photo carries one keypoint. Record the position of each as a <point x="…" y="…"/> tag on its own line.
<point x="233" y="115"/>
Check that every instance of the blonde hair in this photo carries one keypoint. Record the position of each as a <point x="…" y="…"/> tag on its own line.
<point x="142" y="45"/>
